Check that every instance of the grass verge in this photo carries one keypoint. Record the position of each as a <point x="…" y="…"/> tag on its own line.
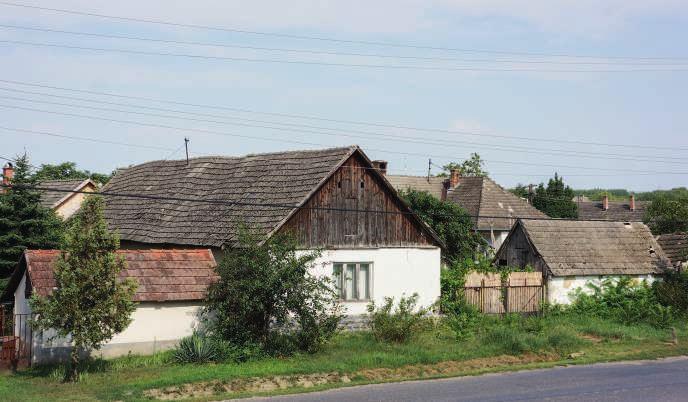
<point x="356" y="358"/>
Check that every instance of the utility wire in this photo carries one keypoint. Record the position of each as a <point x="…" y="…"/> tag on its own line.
<point x="372" y="124"/>
<point x="330" y="53"/>
<point x="347" y="133"/>
<point x="329" y="64"/>
<point x="323" y="39"/>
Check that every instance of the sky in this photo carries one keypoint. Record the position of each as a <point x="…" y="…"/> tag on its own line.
<point x="602" y="99"/>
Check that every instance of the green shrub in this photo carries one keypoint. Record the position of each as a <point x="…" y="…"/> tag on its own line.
<point x="623" y="301"/>
<point x="673" y="291"/>
<point x="390" y="324"/>
<point x="197" y="349"/>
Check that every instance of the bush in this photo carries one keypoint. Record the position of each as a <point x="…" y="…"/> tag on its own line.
<point x="266" y="296"/>
<point x="673" y="291"/>
<point x="197" y="349"/>
<point x="396" y="325"/>
<point x="622" y="300"/>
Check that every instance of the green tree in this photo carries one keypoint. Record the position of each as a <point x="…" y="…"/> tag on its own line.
<point x="520" y="191"/>
<point x="266" y="296"/>
<point x="90" y="303"/>
<point x="24" y="223"/>
<point x="66" y="171"/>
<point x="555" y="200"/>
<point x="451" y="223"/>
<point x="473" y="166"/>
<point x="667" y="215"/>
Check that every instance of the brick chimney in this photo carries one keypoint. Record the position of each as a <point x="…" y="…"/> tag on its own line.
<point x="454" y="177"/>
<point x="631" y="202"/>
<point x="7" y="174"/>
<point x="445" y="189"/>
<point x="381" y="166"/>
<point x="605" y="202"/>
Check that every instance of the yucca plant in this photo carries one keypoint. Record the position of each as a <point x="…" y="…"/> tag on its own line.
<point x="196" y="349"/>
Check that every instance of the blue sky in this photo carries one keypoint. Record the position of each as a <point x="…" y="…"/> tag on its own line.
<point x="642" y="114"/>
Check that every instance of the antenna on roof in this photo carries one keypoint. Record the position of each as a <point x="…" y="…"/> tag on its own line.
<point x="429" y="168"/>
<point x="186" y="145"/>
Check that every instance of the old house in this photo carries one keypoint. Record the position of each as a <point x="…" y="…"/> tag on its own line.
<point x="571" y="254"/>
<point x="493" y="209"/>
<point x="617" y="211"/>
<point x="675" y="246"/>
<point x="58" y="197"/>
<point x="329" y="199"/>
<point x="171" y="287"/>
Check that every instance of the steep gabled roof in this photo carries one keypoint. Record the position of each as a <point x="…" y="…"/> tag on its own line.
<point x="162" y="275"/>
<point x="675" y="245"/>
<point x="617" y="211"/>
<point x="53" y="198"/>
<point x="266" y="189"/>
<point x="594" y="248"/>
<point x="485" y="199"/>
<point x="431" y="185"/>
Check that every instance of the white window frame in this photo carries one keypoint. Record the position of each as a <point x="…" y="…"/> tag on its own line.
<point x="341" y="281"/>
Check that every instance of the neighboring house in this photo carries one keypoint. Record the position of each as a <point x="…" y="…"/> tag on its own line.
<point x="493" y="209"/>
<point x="330" y="199"/>
<point x="571" y="254"/>
<point x="61" y="200"/>
<point x="675" y="245"/>
<point x="617" y="211"/>
<point x="171" y="288"/>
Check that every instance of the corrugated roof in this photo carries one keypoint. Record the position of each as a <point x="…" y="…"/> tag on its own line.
<point x="51" y="199"/>
<point x="595" y="248"/>
<point x="675" y="246"/>
<point x="162" y="275"/>
<point x="275" y="178"/>
<point x="618" y="211"/>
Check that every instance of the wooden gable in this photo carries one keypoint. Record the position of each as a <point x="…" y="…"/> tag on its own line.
<point x="356" y="187"/>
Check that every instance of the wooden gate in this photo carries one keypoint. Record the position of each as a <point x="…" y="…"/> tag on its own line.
<point x="520" y="292"/>
<point x="15" y="338"/>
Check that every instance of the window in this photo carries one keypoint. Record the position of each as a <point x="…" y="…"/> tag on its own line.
<point x="353" y="280"/>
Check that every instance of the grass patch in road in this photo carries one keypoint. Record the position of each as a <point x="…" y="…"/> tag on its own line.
<point x="357" y="358"/>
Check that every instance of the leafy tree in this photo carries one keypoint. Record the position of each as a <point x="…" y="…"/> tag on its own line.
<point x="66" y="171"/>
<point x="264" y="288"/>
<point x="451" y="223"/>
<point x="667" y="215"/>
<point x="520" y="191"/>
<point x="24" y="223"/>
<point x="90" y="302"/>
<point x="473" y="166"/>
<point x="555" y="200"/>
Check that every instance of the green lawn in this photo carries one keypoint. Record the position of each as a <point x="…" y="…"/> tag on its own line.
<point x="356" y="358"/>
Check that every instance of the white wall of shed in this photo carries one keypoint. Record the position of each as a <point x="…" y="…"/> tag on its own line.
<point x="560" y="289"/>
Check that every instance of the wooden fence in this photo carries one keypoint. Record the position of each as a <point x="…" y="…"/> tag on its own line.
<point x="520" y="292"/>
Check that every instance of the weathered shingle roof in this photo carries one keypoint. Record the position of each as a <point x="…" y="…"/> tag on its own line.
<point x="431" y="185"/>
<point x="618" y="211"/>
<point x="595" y="248"/>
<point x="162" y="275"/>
<point x="52" y="198"/>
<point x="675" y="246"/>
<point x="479" y="196"/>
<point x="484" y="198"/>
<point x="284" y="178"/>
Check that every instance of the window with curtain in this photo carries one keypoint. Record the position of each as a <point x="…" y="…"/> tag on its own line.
<point x="353" y="280"/>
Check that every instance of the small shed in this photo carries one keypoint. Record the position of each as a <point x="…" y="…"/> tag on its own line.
<point x="571" y="254"/>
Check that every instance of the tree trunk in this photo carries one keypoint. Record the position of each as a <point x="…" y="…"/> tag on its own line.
<point x="73" y="370"/>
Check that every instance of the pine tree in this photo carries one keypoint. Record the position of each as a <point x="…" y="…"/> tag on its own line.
<point x="24" y="223"/>
<point x="90" y="303"/>
<point x="555" y="200"/>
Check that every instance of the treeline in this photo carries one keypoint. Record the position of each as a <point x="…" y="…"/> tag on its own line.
<point x="596" y="194"/>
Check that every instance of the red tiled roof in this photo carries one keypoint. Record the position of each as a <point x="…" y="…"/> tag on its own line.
<point x="162" y="275"/>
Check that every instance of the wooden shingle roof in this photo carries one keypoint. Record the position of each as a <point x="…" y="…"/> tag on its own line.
<point x="53" y="198"/>
<point x="618" y="211"/>
<point x="162" y="275"/>
<point x="257" y="182"/>
<point x="675" y="246"/>
<point x="595" y="248"/>
<point x="431" y="185"/>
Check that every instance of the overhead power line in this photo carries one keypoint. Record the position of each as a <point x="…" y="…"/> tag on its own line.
<point x="342" y="121"/>
<point x="327" y="39"/>
<point x="398" y="67"/>
<point x="272" y="139"/>
<point x="339" y="53"/>
<point x="350" y="133"/>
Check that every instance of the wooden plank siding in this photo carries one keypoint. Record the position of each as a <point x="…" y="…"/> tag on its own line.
<point x="355" y="187"/>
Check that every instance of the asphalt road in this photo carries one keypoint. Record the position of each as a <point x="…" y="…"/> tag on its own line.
<point x="657" y="380"/>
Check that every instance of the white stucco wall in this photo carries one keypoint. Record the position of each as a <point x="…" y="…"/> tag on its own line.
<point x="395" y="272"/>
<point x="499" y="235"/>
<point x="560" y="288"/>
